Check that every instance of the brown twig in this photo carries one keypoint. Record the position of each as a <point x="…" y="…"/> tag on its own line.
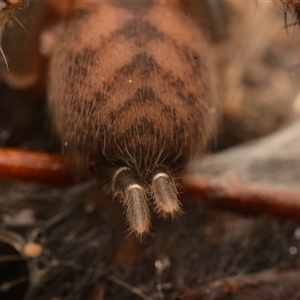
<point x="36" y="166"/>
<point x="247" y="197"/>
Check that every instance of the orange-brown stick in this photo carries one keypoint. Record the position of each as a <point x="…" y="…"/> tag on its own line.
<point x="247" y="197"/>
<point x="35" y="166"/>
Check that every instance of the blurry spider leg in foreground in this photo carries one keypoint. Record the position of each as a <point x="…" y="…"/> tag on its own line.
<point x="293" y="7"/>
<point x="6" y="10"/>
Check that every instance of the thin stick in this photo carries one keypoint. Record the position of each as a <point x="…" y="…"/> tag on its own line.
<point x="247" y="197"/>
<point x="36" y="166"/>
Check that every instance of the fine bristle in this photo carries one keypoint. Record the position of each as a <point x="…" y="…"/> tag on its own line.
<point x="165" y="194"/>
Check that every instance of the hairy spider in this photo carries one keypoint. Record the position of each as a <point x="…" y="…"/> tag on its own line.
<point x="134" y="93"/>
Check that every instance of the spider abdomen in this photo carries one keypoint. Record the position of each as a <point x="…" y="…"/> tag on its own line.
<point x="132" y="85"/>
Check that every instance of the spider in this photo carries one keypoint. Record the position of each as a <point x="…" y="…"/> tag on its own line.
<point x="62" y="240"/>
